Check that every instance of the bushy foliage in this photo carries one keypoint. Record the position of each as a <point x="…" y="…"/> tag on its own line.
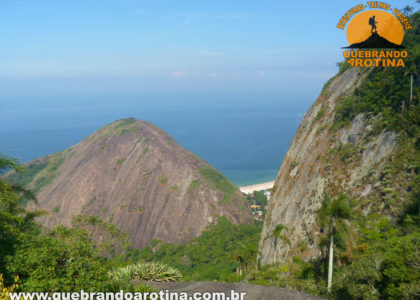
<point x="24" y="178"/>
<point x="14" y="218"/>
<point x="58" y="259"/>
<point x="113" y="240"/>
<point x="218" y="254"/>
<point x="146" y="271"/>
<point x="295" y="274"/>
<point x="62" y="259"/>
<point x="219" y="181"/>
<point x="375" y="257"/>
<point x="385" y="264"/>
<point x="5" y="290"/>
<point x="259" y="198"/>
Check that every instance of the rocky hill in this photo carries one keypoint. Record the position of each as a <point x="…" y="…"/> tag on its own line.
<point x="305" y="174"/>
<point x="360" y="138"/>
<point x="136" y="176"/>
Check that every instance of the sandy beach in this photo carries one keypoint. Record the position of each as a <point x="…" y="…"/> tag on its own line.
<point x="256" y="187"/>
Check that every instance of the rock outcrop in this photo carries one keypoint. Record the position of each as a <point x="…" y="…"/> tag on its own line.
<point x="136" y="176"/>
<point x="322" y="160"/>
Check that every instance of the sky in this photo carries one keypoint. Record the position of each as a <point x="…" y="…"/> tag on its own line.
<point x="229" y="80"/>
<point x="103" y="47"/>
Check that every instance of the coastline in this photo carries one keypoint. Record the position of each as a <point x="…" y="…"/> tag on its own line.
<point x="256" y="187"/>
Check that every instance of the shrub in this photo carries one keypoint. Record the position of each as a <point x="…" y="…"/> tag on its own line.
<point x="4" y="291"/>
<point x="148" y="271"/>
<point x="219" y="181"/>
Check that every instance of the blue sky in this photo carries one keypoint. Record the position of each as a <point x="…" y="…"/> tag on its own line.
<point x="112" y="46"/>
<point x="229" y="80"/>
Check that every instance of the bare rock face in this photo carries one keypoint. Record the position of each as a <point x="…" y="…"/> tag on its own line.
<point x="135" y="175"/>
<point x="321" y="160"/>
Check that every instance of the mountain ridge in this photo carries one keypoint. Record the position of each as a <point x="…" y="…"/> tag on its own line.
<point x="135" y="175"/>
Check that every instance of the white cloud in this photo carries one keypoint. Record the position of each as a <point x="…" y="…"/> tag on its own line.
<point x="260" y="74"/>
<point x="214" y="75"/>
<point x="179" y="74"/>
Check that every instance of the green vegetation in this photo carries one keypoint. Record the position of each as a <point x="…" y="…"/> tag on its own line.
<point x="293" y="165"/>
<point x="113" y="241"/>
<point x="124" y="123"/>
<point x="4" y="291"/>
<point x="49" y="172"/>
<point x="163" y="180"/>
<point x="319" y="115"/>
<point x="139" y="209"/>
<point x="333" y="219"/>
<point x="175" y="188"/>
<point x="128" y="131"/>
<point x="26" y="177"/>
<point x="278" y="234"/>
<point x="219" y="181"/>
<point x="14" y="219"/>
<point x="143" y="154"/>
<point x="120" y="161"/>
<point x="46" y="263"/>
<point x="218" y="254"/>
<point x="344" y="151"/>
<point x="34" y="258"/>
<point x="149" y="271"/>
<point x="122" y="127"/>
<point x="374" y="257"/>
<point x="91" y="201"/>
<point x="194" y="184"/>
<point x="258" y="198"/>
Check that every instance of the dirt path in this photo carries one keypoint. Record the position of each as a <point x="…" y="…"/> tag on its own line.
<point x="253" y="292"/>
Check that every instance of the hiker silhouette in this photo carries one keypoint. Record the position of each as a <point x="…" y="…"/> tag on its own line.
<point x="373" y="23"/>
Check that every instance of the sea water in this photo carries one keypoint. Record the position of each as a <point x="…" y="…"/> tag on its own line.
<point x="244" y="138"/>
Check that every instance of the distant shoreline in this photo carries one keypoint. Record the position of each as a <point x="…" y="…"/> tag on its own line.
<point x="256" y="187"/>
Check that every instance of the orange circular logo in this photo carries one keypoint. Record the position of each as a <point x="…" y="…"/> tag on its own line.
<point x="375" y="29"/>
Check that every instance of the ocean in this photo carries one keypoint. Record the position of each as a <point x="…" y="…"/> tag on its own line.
<point x="245" y="139"/>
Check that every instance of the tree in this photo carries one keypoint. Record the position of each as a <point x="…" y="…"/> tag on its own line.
<point x="386" y="263"/>
<point x="14" y="218"/>
<point x="246" y="255"/>
<point x="62" y="260"/>
<point x="407" y="10"/>
<point x="333" y="217"/>
<point x="277" y="234"/>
